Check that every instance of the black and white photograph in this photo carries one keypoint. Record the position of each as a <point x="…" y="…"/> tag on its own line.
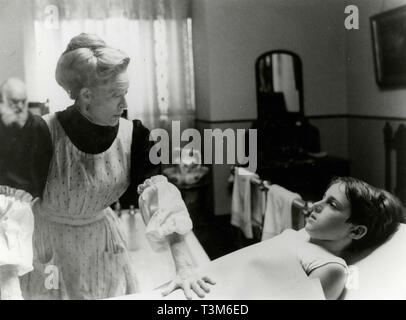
<point x="207" y="152"/>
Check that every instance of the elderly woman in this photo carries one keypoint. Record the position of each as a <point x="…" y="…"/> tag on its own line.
<point x="97" y="157"/>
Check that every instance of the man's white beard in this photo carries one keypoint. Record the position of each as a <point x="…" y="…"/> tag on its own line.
<point x="9" y="117"/>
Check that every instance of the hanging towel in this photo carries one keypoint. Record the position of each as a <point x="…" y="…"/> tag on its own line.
<point x="242" y="207"/>
<point x="258" y="202"/>
<point x="278" y="212"/>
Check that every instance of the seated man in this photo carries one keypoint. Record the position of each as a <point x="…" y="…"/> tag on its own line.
<point x="25" y="143"/>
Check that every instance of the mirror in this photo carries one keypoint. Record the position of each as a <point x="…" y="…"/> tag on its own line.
<point x="279" y="83"/>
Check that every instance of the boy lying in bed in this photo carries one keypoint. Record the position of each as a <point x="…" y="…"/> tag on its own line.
<point x="352" y="217"/>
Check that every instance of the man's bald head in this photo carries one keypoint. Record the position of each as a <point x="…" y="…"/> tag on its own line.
<point x="14" y="107"/>
<point x="13" y="87"/>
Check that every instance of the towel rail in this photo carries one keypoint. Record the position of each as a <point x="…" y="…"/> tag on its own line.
<point x="299" y="207"/>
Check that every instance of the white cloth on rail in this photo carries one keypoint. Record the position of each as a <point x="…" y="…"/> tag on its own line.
<point x="278" y="211"/>
<point x="243" y="204"/>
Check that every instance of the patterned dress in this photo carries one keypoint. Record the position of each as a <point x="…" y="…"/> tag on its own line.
<point x="79" y="251"/>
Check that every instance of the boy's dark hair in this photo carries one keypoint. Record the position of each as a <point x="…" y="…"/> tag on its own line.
<point x="377" y="209"/>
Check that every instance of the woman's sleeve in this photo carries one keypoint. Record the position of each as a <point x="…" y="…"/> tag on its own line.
<point x="41" y="158"/>
<point x="141" y="166"/>
<point x="163" y="210"/>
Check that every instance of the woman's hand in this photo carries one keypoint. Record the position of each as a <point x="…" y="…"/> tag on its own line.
<point x="189" y="280"/>
<point x="186" y="278"/>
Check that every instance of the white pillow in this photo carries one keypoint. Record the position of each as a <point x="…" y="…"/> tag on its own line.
<point x="382" y="274"/>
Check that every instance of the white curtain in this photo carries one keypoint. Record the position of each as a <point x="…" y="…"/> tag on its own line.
<point x="156" y="34"/>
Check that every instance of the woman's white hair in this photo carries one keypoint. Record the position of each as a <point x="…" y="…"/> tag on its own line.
<point x="87" y="63"/>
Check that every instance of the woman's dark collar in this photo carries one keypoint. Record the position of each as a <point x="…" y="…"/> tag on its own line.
<point x="72" y="115"/>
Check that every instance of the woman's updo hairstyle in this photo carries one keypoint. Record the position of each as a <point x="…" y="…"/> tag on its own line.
<point x="87" y="63"/>
<point x="377" y="209"/>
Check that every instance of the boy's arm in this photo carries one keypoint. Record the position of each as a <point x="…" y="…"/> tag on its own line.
<point x="332" y="277"/>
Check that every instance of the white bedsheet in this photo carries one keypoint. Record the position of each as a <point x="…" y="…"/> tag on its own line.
<point x="267" y="270"/>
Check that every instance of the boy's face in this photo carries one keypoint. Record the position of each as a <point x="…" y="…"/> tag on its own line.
<point x="328" y="221"/>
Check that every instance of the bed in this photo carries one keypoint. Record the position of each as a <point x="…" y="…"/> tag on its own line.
<point x="250" y="274"/>
<point x="267" y="271"/>
<point x="381" y="274"/>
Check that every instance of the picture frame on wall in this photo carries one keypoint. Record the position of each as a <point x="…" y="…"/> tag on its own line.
<point x="389" y="47"/>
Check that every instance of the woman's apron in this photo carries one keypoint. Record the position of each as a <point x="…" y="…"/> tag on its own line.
<point x="79" y="251"/>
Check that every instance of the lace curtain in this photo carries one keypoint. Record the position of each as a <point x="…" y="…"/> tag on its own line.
<point x="156" y="34"/>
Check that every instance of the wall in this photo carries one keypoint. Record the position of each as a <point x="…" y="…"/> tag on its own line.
<point x="238" y="31"/>
<point x="11" y="40"/>
<point x="201" y="58"/>
<point x="364" y="96"/>
<point x="230" y="34"/>
<point x="366" y="100"/>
